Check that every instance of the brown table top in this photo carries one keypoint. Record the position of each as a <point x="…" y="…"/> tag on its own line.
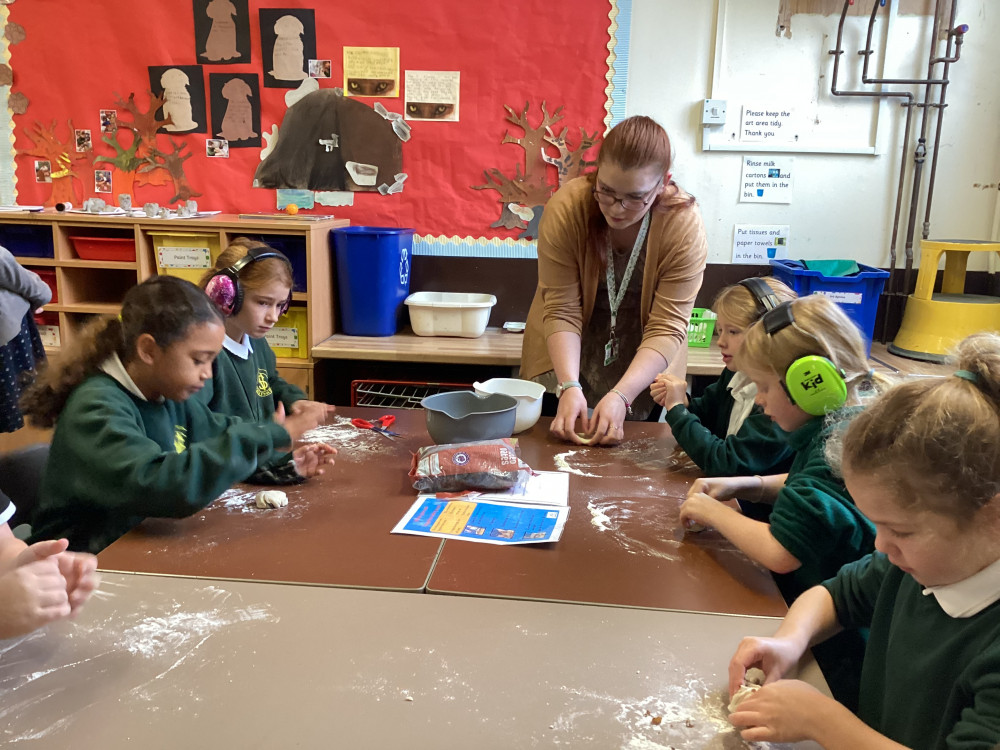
<point x="157" y="663"/>
<point x="623" y="544"/>
<point x="334" y="531"/>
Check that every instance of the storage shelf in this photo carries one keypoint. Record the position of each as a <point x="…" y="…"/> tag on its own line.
<point x="80" y="263"/>
<point x="93" y="308"/>
<point x="30" y="260"/>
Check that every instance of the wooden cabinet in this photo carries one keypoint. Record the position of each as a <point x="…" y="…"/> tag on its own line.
<point x="96" y="259"/>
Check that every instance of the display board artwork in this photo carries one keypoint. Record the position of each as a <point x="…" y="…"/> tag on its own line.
<point x="200" y="98"/>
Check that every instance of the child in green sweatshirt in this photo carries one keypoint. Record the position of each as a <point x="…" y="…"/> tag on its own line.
<point x="722" y="430"/>
<point x="923" y="464"/>
<point x="252" y="287"/>
<point x="129" y="440"/>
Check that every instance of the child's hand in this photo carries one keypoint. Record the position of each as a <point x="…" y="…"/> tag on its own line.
<point x="785" y="711"/>
<point x="310" y="459"/>
<point x="698" y="511"/>
<point x="775" y="656"/>
<point x="669" y="390"/>
<point x="296" y="424"/>
<point x="320" y="410"/>
<point x="80" y="571"/>
<point x="721" y="488"/>
<point x="33" y="591"/>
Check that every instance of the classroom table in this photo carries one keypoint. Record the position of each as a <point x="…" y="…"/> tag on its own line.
<point x="623" y="543"/>
<point x="163" y="663"/>
<point x="334" y="531"/>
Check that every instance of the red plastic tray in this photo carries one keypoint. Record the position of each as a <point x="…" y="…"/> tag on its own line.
<point x="104" y="248"/>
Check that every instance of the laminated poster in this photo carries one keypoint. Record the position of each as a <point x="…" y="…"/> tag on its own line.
<point x="371" y="71"/>
<point x="432" y="95"/>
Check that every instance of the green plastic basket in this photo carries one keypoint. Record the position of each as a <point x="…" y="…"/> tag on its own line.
<point x="701" y="327"/>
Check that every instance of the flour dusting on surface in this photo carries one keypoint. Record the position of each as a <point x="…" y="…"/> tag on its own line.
<point x="562" y="464"/>
<point x="348" y="439"/>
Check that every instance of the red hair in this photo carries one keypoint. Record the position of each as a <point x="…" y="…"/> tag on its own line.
<point x="637" y="142"/>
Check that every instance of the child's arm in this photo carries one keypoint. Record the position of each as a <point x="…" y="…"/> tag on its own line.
<point x="754" y="538"/>
<point x="789" y="710"/>
<point x="757" y="446"/>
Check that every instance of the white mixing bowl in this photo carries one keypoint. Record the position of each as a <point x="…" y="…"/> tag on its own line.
<point x="527" y="394"/>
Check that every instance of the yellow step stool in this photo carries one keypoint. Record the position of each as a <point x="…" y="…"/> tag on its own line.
<point x="934" y="323"/>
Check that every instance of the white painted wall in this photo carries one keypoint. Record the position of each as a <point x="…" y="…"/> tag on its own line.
<point x="843" y="204"/>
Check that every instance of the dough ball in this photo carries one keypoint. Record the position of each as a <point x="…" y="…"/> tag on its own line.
<point x="752" y="682"/>
<point x="754" y="676"/>
<point x="695" y="527"/>
<point x="586" y="439"/>
<point x="741" y="695"/>
<point x="271" y="499"/>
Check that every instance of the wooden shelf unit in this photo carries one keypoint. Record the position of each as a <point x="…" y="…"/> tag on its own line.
<point x="89" y="287"/>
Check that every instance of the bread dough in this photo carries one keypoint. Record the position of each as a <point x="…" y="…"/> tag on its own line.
<point x="695" y="527"/>
<point x="271" y="499"/>
<point x="752" y="682"/>
<point x="586" y="439"/>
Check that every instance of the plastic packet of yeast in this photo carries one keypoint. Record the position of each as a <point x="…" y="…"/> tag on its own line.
<point x="481" y="465"/>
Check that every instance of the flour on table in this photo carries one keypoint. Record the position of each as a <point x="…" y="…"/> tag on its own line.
<point x="347" y="438"/>
<point x="271" y="499"/>
<point x="563" y="465"/>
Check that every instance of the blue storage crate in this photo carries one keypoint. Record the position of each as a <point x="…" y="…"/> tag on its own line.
<point x="293" y="248"/>
<point x="25" y="240"/>
<point x="857" y="295"/>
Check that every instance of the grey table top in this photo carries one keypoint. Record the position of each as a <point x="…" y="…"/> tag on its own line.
<point x="164" y="662"/>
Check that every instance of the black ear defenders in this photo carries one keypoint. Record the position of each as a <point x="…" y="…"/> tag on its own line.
<point x="813" y="383"/>
<point x="225" y="290"/>
<point x="762" y="293"/>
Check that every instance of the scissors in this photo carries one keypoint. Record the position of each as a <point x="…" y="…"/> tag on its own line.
<point x="380" y="425"/>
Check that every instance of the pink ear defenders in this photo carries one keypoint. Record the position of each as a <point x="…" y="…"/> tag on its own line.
<point x="225" y="290"/>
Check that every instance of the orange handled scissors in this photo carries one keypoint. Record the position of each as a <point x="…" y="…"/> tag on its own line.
<point x="380" y="425"/>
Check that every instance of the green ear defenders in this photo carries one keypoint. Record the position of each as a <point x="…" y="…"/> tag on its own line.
<point x="762" y="293"/>
<point x="813" y="383"/>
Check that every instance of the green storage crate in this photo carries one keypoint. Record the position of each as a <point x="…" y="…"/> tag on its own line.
<point x="701" y="327"/>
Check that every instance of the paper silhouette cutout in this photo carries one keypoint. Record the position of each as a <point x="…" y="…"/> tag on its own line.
<point x="288" y="42"/>
<point x="221" y="44"/>
<point x="222" y="31"/>
<point x="299" y="160"/>
<point x="182" y="88"/>
<point x="235" y="100"/>
<point x="288" y="58"/>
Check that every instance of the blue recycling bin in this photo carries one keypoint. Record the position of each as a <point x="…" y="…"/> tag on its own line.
<point x="373" y="278"/>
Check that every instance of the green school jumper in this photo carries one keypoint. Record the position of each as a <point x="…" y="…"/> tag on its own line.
<point x="929" y="680"/>
<point x="251" y="389"/>
<point x="814" y="517"/>
<point x="248" y="388"/>
<point x="117" y="459"/>
<point x="758" y="447"/>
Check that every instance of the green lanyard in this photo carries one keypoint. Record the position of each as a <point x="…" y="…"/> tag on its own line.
<point x="615" y="297"/>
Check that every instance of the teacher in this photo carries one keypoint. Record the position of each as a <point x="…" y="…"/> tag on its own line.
<point x="621" y="253"/>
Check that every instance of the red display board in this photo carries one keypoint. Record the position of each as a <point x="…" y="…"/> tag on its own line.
<point x="77" y="58"/>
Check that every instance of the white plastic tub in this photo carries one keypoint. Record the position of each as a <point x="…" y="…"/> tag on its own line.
<point x="449" y="313"/>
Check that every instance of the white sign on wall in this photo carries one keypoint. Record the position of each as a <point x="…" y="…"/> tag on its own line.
<point x="767" y="179"/>
<point x="758" y="243"/>
<point x="768" y="123"/>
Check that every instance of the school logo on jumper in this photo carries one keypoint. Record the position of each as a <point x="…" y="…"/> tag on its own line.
<point x="263" y="386"/>
<point x="180" y="438"/>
